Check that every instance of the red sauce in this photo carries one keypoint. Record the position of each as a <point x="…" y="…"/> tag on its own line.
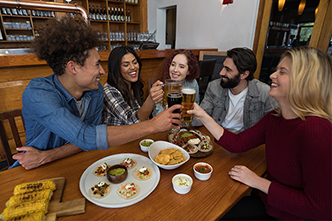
<point x="203" y="168"/>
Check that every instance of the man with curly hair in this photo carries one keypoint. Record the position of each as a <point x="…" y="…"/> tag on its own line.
<point x="62" y="112"/>
<point x="237" y="101"/>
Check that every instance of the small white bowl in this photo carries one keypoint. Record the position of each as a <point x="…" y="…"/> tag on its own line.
<point x="186" y="183"/>
<point x="157" y="146"/>
<point x="145" y="148"/>
<point x="201" y="175"/>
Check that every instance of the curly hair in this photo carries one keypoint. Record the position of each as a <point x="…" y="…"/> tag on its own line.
<point x="244" y="60"/>
<point x="310" y="91"/>
<point x="116" y="79"/>
<point x="65" y="40"/>
<point x="193" y="69"/>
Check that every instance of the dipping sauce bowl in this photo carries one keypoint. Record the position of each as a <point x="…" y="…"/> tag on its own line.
<point x="182" y="183"/>
<point x="202" y="170"/>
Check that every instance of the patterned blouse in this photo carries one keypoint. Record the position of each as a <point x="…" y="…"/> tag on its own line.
<point x="116" y="110"/>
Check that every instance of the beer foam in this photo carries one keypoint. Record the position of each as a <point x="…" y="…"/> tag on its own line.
<point x="188" y="90"/>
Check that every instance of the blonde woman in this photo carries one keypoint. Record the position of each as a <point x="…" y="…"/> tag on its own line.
<point x="298" y="141"/>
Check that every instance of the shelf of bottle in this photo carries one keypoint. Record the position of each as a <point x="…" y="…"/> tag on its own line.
<point x="112" y="1"/>
<point x="134" y="23"/>
<point x="102" y="21"/>
<point x="18" y="29"/>
<point x="5" y="41"/>
<point x="16" y="16"/>
<point x="39" y="17"/>
<point x="118" y="2"/>
<point x="129" y="3"/>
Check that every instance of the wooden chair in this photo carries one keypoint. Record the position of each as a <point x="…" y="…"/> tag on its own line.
<point x="10" y="116"/>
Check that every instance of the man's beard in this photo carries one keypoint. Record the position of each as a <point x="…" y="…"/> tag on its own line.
<point x="231" y="83"/>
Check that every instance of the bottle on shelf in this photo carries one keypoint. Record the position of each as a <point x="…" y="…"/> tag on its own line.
<point x="93" y="13"/>
<point x="9" y="12"/>
<point x="4" y="11"/>
<point x="119" y="14"/>
<point x="115" y="15"/>
<point x="14" y="11"/>
<point x="122" y="15"/>
<point x="105" y="14"/>
<point x="128" y="19"/>
<point x="90" y="11"/>
<point x="109" y="13"/>
<point x="112" y="14"/>
<point x="97" y="15"/>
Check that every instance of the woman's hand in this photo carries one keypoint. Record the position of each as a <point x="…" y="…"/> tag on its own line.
<point x="157" y="92"/>
<point x="248" y="177"/>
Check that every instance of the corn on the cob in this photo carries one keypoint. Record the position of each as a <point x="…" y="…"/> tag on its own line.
<point x="34" y="186"/>
<point x="25" y="208"/>
<point x="39" y="216"/>
<point x="32" y="196"/>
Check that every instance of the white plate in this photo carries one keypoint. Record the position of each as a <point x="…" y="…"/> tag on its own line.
<point x="113" y="200"/>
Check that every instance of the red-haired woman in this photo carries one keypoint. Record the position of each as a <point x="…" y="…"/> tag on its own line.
<point x="180" y="65"/>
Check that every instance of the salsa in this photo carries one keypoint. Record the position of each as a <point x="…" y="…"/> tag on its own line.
<point x="117" y="171"/>
<point x="203" y="168"/>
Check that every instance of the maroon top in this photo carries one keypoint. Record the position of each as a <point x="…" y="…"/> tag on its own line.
<point x="298" y="155"/>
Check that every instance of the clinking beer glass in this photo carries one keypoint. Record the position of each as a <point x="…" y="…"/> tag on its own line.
<point x="188" y="98"/>
<point x="171" y="86"/>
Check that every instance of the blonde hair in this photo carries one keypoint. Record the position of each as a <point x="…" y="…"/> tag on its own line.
<point x="310" y="92"/>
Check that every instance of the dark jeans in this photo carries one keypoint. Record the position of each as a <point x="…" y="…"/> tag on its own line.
<point x="248" y="208"/>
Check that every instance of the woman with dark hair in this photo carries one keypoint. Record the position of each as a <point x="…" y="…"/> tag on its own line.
<point x="123" y="93"/>
<point x="180" y="65"/>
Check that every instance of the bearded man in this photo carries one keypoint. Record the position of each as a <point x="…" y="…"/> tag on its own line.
<point x="237" y="101"/>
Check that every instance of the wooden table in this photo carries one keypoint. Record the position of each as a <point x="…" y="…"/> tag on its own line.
<point x="207" y="200"/>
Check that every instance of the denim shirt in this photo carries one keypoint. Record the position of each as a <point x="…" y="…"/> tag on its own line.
<point x="52" y="118"/>
<point x="257" y="102"/>
<point x="159" y="107"/>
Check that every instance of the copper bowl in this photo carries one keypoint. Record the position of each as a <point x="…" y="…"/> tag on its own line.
<point x="119" y="178"/>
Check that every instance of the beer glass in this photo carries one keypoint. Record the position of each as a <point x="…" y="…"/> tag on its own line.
<point x="171" y="86"/>
<point x="174" y="96"/>
<point x="188" y="98"/>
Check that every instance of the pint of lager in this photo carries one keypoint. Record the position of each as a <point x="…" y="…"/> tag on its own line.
<point x="188" y="98"/>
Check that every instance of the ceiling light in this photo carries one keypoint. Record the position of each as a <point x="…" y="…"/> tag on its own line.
<point x="281" y="4"/>
<point x="301" y="7"/>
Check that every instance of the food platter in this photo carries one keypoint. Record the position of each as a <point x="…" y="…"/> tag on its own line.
<point x="114" y="200"/>
<point x="201" y="147"/>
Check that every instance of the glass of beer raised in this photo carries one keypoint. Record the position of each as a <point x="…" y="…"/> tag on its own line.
<point x="171" y="86"/>
<point x="174" y="96"/>
<point x="188" y="98"/>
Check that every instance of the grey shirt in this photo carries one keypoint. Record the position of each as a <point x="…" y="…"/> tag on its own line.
<point x="257" y="102"/>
